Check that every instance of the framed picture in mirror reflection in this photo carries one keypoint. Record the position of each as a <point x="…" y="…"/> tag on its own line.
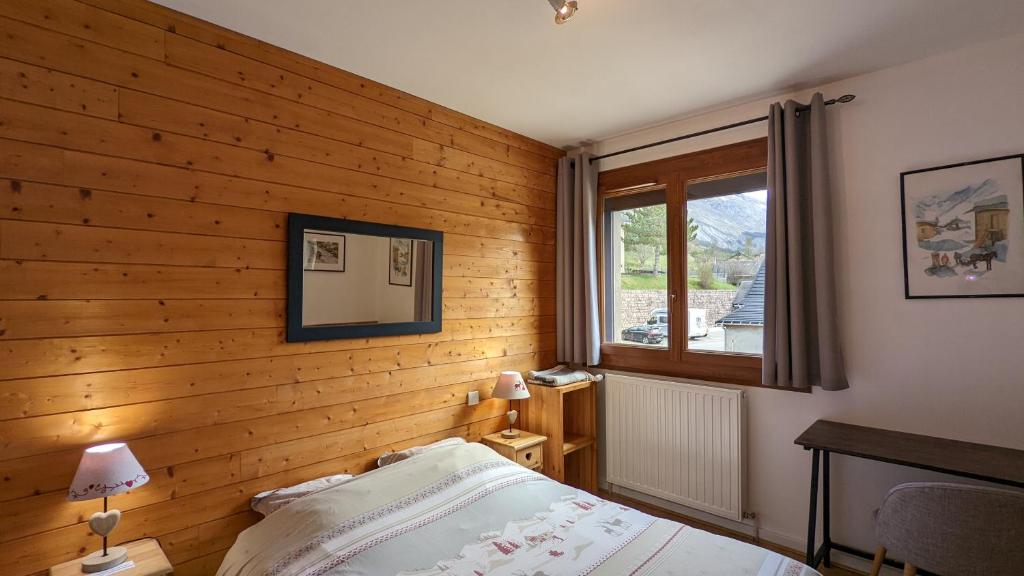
<point x="400" y="258"/>
<point x="323" y="252"/>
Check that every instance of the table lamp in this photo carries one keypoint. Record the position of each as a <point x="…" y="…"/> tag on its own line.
<point x="511" y="387"/>
<point x="106" y="470"/>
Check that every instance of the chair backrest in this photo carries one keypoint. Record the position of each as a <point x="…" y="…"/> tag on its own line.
<point x="954" y="529"/>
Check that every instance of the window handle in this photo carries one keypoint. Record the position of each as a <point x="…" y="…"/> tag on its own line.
<point x="673" y="295"/>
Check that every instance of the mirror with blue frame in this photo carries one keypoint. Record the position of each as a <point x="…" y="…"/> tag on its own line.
<point x="351" y="279"/>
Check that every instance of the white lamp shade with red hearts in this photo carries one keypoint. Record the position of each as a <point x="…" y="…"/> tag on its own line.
<point x="106" y="470"/>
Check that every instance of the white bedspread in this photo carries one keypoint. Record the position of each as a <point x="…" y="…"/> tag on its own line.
<point x="466" y="511"/>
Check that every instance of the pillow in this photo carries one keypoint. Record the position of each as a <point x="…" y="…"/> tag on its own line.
<point x="267" y="502"/>
<point x="392" y="457"/>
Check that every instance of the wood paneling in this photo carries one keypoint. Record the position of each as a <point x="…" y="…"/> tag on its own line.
<point x="147" y="164"/>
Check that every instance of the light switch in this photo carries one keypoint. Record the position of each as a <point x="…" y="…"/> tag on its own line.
<point x="473" y="398"/>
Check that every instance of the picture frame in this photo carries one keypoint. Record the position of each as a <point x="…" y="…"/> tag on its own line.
<point x="400" y="262"/>
<point x="323" y="251"/>
<point x="963" y="229"/>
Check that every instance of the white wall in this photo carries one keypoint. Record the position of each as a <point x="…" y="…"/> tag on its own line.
<point x="950" y="368"/>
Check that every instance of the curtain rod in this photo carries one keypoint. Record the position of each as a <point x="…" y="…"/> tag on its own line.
<point x="841" y="100"/>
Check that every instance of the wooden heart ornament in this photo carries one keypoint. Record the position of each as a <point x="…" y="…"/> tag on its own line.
<point x="103" y="523"/>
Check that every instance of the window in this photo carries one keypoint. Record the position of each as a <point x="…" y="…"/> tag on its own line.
<point x="636" y="282"/>
<point x="682" y="259"/>
<point x="725" y="242"/>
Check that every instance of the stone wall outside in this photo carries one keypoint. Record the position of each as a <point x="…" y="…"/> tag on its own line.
<point x="637" y="304"/>
<point x="718" y="303"/>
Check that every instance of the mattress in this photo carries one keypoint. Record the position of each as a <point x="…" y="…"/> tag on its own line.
<point x="466" y="511"/>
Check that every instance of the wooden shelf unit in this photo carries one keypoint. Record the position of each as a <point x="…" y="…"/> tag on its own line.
<point x="574" y="442"/>
<point x="567" y="415"/>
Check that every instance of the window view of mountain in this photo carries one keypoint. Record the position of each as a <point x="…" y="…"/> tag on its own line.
<point x="734" y="223"/>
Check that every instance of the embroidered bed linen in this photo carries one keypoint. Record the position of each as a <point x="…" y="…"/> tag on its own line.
<point x="466" y="511"/>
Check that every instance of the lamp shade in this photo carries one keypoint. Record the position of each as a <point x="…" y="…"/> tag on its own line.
<point x="510" y="386"/>
<point x="106" y="470"/>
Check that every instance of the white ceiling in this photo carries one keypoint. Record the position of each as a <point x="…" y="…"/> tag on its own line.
<point x="619" y="64"/>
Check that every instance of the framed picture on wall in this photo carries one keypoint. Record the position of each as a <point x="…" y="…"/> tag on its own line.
<point x="963" y="229"/>
<point x="323" y="252"/>
<point x="400" y="262"/>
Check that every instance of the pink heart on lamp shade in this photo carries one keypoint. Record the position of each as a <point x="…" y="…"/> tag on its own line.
<point x="103" y="523"/>
<point x="129" y="483"/>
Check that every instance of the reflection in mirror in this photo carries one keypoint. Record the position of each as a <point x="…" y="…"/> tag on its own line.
<point x="355" y="279"/>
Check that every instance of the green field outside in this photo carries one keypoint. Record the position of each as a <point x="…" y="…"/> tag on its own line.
<point x="660" y="282"/>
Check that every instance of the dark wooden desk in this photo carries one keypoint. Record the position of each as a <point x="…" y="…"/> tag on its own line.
<point x="977" y="461"/>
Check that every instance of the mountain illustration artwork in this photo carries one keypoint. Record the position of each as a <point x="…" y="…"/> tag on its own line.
<point x="965" y="232"/>
<point x="963" y="229"/>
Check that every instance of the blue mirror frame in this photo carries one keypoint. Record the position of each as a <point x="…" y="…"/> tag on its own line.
<point x="298" y="224"/>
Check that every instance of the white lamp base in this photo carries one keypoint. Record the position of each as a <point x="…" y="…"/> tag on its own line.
<point x="97" y="562"/>
<point x="510" y="433"/>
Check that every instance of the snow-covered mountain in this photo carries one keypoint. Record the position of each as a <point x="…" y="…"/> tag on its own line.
<point x="939" y="205"/>
<point x="727" y="221"/>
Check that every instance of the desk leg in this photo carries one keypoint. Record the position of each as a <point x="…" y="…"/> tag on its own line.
<point x="812" y="515"/>
<point x="826" y="504"/>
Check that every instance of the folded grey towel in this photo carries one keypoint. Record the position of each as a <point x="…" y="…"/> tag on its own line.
<point x="539" y="374"/>
<point x="560" y="375"/>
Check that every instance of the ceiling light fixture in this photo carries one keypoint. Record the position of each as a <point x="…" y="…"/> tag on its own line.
<point x="564" y="9"/>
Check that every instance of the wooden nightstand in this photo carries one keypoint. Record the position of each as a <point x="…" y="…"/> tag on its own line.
<point x="149" y="560"/>
<point x="527" y="450"/>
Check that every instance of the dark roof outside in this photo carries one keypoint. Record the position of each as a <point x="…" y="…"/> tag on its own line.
<point x="751" y="313"/>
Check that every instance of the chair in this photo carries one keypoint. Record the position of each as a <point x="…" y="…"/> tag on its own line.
<point x="952" y="529"/>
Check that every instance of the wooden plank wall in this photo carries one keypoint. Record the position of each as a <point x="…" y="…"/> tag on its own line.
<point x="147" y="162"/>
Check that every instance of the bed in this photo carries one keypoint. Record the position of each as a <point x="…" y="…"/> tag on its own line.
<point x="464" y="510"/>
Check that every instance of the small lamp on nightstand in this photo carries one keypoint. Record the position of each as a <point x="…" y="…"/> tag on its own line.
<point x="511" y="387"/>
<point x="106" y="470"/>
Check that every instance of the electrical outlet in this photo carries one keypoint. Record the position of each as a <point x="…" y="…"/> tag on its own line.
<point x="473" y="398"/>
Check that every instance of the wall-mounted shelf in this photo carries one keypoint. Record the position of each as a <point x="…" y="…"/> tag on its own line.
<point x="567" y="415"/>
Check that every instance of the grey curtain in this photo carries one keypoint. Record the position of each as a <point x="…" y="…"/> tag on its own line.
<point x="576" y="262"/>
<point x="801" y="335"/>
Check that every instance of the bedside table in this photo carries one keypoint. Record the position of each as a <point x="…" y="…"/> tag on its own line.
<point x="147" y="555"/>
<point x="527" y="450"/>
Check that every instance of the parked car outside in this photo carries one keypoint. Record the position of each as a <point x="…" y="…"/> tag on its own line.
<point x="697" y="319"/>
<point x="645" y="334"/>
<point x="698" y="323"/>
<point x="655" y="330"/>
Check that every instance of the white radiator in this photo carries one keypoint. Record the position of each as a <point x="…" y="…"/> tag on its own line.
<point x="676" y="441"/>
